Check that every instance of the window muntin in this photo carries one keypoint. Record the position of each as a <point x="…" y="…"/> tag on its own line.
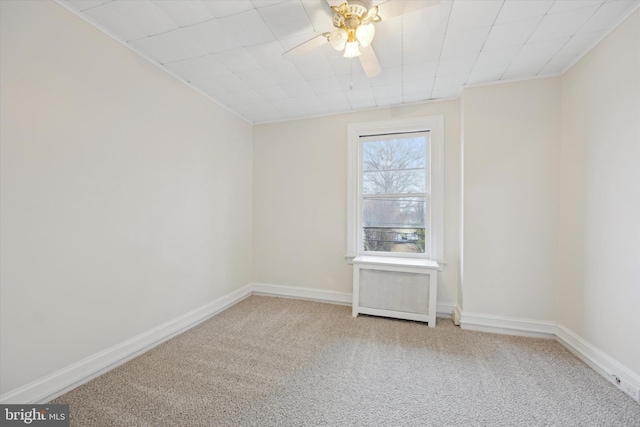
<point x="395" y="193"/>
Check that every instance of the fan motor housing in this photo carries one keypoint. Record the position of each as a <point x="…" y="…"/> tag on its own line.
<point x="350" y="18"/>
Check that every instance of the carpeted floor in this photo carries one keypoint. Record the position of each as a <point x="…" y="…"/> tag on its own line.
<point x="280" y="362"/>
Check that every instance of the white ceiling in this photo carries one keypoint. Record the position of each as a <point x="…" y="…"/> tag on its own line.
<point x="231" y="50"/>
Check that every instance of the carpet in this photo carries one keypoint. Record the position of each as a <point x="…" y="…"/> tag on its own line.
<point x="282" y="362"/>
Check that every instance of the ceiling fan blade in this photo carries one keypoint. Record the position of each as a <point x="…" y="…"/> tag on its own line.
<point x="369" y="62"/>
<point x="392" y="8"/>
<point x="335" y="2"/>
<point x="305" y="47"/>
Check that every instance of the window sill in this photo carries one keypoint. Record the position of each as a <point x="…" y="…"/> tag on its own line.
<point x="396" y="262"/>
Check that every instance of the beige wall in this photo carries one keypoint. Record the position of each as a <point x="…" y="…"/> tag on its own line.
<point x="599" y="246"/>
<point x="125" y="196"/>
<point x="511" y="153"/>
<point x="300" y="200"/>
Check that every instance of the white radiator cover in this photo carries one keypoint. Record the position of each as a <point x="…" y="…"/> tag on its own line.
<point x="394" y="290"/>
<point x="404" y="288"/>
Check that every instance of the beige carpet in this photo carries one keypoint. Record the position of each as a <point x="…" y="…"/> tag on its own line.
<point x="279" y="362"/>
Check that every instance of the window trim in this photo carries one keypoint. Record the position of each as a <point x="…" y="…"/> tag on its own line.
<point x="435" y="126"/>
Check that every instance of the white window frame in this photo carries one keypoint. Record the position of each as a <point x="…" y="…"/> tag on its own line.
<point x="435" y="126"/>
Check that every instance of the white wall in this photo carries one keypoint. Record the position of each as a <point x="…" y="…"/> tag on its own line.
<point x="511" y="154"/>
<point x="125" y="196"/>
<point x="300" y="200"/>
<point x="599" y="241"/>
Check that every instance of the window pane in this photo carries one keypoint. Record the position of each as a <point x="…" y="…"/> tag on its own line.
<point x="394" y="224"/>
<point x="394" y="164"/>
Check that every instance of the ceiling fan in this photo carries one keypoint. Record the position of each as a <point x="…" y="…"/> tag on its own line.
<point x="354" y="29"/>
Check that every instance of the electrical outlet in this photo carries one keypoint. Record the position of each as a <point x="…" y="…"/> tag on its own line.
<point x="626" y="387"/>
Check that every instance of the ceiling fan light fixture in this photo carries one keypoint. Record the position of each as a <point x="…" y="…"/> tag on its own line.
<point x="338" y="39"/>
<point x="365" y="33"/>
<point x="351" y="50"/>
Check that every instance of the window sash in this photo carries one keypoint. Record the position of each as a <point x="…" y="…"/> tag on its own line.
<point x="355" y="131"/>
<point x="425" y="195"/>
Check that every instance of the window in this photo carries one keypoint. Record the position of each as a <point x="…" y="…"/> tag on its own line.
<point x="396" y="188"/>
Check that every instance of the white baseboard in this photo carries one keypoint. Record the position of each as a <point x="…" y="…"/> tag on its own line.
<point x="600" y="362"/>
<point x="507" y="325"/>
<point x="57" y="383"/>
<point x="311" y="294"/>
<point x="64" y="380"/>
<point x="443" y="310"/>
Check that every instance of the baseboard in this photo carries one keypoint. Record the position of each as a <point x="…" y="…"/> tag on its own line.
<point x="64" y="380"/>
<point x="507" y="325"/>
<point x="53" y="385"/>
<point x="443" y="310"/>
<point x="311" y="294"/>
<point x="600" y="362"/>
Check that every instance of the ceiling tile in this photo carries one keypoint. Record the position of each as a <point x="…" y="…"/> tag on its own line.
<point x="107" y="17"/>
<point x="169" y="47"/>
<point x="273" y="93"/>
<point x="388" y="76"/>
<point x="233" y="50"/>
<point x="267" y="54"/>
<point x="227" y="8"/>
<point x="447" y="87"/>
<point x="425" y="24"/>
<point x="285" y="73"/>
<point x="511" y="34"/>
<point x="212" y="36"/>
<point x="456" y="66"/>
<point x="561" y="24"/>
<point x="482" y="75"/>
<point x="388" y="55"/>
<point x="391" y="101"/>
<point x="464" y="42"/>
<point x="532" y="58"/>
<point x="419" y="71"/>
<point x="561" y="6"/>
<point x="389" y="91"/>
<point x="355" y="81"/>
<point x="184" y="12"/>
<point x="298" y="89"/>
<point x="225" y="83"/>
<point x="413" y="51"/>
<point x="145" y="15"/>
<point x="500" y="58"/>
<point x="557" y="64"/>
<point x="579" y="44"/>
<point x="287" y="19"/>
<point x="248" y="27"/>
<point x="470" y="14"/>
<point x="521" y="10"/>
<point x="419" y="90"/>
<point x="237" y="60"/>
<point x="360" y="95"/>
<point x="257" y="78"/>
<point x="265" y="3"/>
<point x="333" y="98"/>
<point x="607" y="15"/>
<point x="314" y="65"/>
<point x="198" y="68"/>
<point x="83" y="4"/>
<point x="542" y="51"/>
<point x="325" y="85"/>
